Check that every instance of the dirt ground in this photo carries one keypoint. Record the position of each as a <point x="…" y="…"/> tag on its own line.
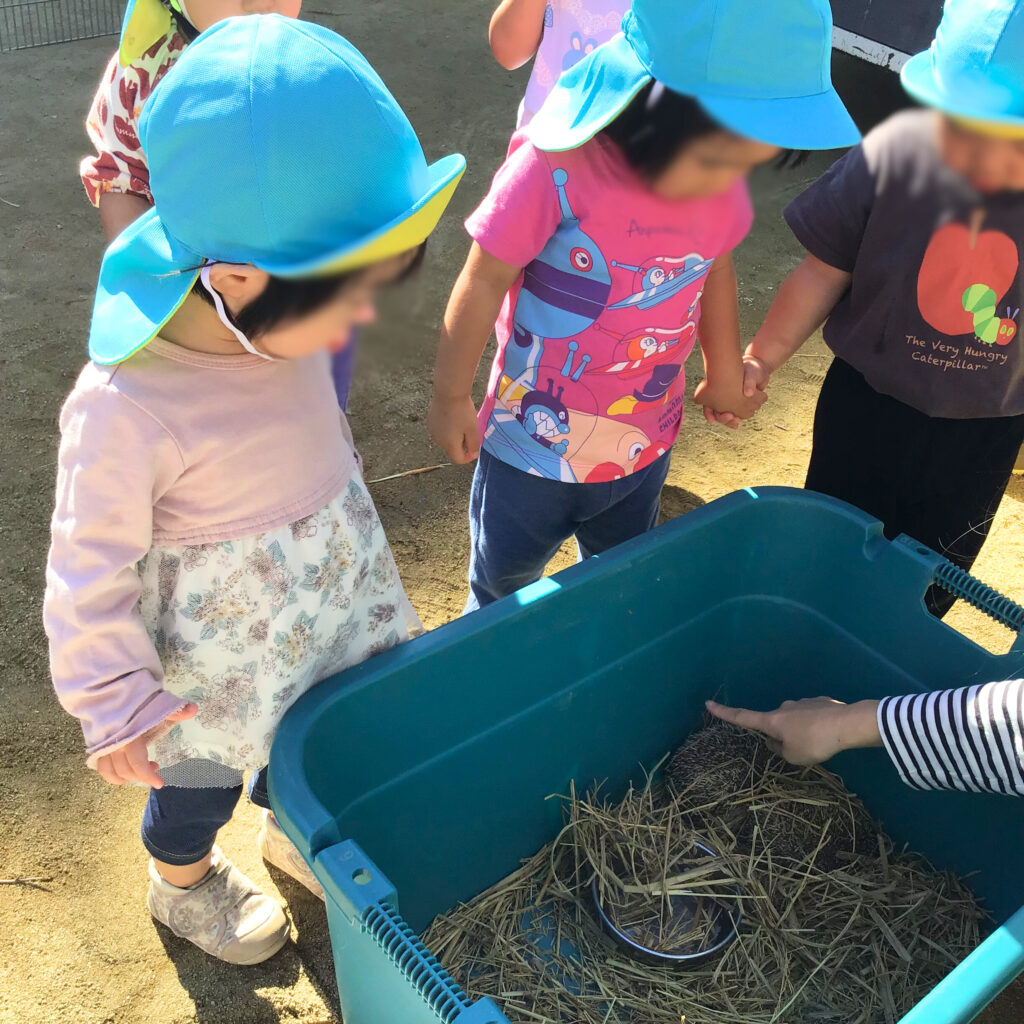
<point x="81" y="948"/>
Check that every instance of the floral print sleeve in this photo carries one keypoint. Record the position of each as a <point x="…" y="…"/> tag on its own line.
<point x="119" y="165"/>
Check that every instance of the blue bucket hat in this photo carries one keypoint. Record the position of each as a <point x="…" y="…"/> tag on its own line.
<point x="760" y="69"/>
<point x="273" y="142"/>
<point x="975" y="66"/>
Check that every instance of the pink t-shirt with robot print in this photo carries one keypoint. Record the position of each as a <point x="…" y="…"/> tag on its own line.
<point x="572" y="29"/>
<point x="587" y="385"/>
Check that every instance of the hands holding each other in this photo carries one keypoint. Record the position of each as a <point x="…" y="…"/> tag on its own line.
<point x="726" y="405"/>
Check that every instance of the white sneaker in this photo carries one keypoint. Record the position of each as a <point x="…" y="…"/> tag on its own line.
<point x="225" y="915"/>
<point x="277" y="849"/>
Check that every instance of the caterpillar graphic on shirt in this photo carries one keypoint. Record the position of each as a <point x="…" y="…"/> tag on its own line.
<point x="966" y="272"/>
<point x="980" y="301"/>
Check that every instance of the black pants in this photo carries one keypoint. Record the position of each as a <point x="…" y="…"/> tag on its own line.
<point x="938" y="480"/>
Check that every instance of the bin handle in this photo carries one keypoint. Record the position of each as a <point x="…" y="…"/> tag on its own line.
<point x="423" y="970"/>
<point x="962" y="584"/>
<point x="362" y="892"/>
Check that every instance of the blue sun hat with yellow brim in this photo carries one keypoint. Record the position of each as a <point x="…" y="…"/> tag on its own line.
<point x="272" y="142"/>
<point x="762" y="70"/>
<point x="974" y="70"/>
<point x="147" y="22"/>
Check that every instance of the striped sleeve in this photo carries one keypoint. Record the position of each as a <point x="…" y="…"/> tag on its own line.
<point x="971" y="739"/>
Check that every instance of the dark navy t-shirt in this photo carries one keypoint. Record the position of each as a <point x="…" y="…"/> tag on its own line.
<point x="932" y="315"/>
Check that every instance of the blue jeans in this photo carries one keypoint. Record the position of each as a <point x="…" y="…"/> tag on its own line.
<point x="342" y="364"/>
<point x="180" y="825"/>
<point x="518" y="521"/>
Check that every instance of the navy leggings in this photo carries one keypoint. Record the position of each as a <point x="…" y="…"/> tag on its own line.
<point x="180" y="825"/>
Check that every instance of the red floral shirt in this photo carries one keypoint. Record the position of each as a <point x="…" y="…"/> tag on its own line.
<point x="119" y="165"/>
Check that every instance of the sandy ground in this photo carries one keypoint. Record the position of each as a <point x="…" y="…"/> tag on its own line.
<point x="81" y="949"/>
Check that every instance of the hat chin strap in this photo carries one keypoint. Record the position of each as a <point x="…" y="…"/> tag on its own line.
<point x="657" y="91"/>
<point x="218" y="303"/>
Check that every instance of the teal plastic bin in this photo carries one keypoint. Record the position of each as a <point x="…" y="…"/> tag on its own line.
<point x="419" y="779"/>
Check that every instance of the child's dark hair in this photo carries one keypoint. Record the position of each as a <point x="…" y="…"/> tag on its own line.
<point x="653" y="129"/>
<point x="287" y="298"/>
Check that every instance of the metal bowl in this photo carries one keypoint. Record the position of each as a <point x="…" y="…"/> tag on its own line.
<point x="724" y="930"/>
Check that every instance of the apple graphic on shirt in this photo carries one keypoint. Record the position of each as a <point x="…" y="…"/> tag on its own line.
<point x="958" y="257"/>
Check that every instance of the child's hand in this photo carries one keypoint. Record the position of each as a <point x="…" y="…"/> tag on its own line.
<point x="727" y="406"/>
<point x="453" y="425"/>
<point x="130" y="763"/>
<point x="756" y="375"/>
<point x="809" y="731"/>
<point x="723" y="419"/>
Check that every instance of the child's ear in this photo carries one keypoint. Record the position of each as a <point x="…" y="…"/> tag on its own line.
<point x="238" y="283"/>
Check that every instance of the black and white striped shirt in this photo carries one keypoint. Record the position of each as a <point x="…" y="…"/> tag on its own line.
<point x="970" y="739"/>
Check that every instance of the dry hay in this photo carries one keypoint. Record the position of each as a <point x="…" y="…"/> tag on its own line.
<point x="838" y="927"/>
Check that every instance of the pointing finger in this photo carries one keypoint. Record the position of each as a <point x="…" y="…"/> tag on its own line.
<point x="738" y="716"/>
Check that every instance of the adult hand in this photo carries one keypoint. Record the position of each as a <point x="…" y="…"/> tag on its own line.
<point x="809" y="731"/>
<point x="453" y="425"/>
<point x="131" y="763"/>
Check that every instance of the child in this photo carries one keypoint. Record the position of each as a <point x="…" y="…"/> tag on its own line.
<point x="558" y="34"/>
<point x="153" y="36"/>
<point x="966" y="739"/>
<point x="605" y="239"/>
<point x="913" y="244"/>
<point x="215" y="552"/>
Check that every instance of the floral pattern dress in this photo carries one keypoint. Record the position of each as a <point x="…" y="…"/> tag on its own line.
<point x="244" y="627"/>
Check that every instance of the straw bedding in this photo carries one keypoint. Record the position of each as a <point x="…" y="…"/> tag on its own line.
<point x="837" y="926"/>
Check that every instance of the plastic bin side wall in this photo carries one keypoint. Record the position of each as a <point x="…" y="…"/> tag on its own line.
<point x="502" y="709"/>
<point x="489" y="666"/>
<point x="462" y="820"/>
